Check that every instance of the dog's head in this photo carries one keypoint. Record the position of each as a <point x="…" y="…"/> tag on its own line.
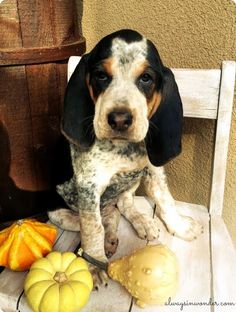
<point x="122" y="91"/>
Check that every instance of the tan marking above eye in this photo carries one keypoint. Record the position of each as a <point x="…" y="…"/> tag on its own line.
<point x="153" y="104"/>
<point x="90" y="90"/>
<point x="107" y="64"/>
<point x="140" y="68"/>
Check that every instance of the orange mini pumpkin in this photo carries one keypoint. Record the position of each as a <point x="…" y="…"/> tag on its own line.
<point x="25" y="241"/>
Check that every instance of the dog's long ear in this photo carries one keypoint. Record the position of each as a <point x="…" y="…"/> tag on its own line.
<point x="163" y="141"/>
<point x="77" y="119"/>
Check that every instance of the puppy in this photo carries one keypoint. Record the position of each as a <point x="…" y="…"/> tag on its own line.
<point x="123" y="119"/>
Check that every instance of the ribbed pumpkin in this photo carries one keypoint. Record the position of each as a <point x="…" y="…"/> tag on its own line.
<point x="60" y="282"/>
<point x="24" y="242"/>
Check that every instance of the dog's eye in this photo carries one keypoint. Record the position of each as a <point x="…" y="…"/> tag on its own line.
<point x="101" y="75"/>
<point x="145" y="78"/>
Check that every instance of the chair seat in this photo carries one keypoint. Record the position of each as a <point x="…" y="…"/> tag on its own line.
<point x="207" y="269"/>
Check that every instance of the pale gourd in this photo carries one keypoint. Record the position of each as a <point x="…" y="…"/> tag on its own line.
<point x="149" y="274"/>
<point x="60" y="282"/>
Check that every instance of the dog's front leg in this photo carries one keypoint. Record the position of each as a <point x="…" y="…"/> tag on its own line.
<point x="92" y="234"/>
<point x="157" y="189"/>
<point x="92" y="242"/>
<point x="90" y="188"/>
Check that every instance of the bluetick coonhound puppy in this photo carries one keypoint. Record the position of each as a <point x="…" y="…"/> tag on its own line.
<point x="123" y="118"/>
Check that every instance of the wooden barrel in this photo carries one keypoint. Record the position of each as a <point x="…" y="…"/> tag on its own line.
<point x="36" y="39"/>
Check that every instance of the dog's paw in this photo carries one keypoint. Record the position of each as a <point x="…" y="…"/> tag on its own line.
<point x="185" y="227"/>
<point x="100" y="277"/>
<point x="146" y="227"/>
<point x="111" y="244"/>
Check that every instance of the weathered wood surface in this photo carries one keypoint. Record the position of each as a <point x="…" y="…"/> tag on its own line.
<point x="200" y="262"/>
<point x="199" y="90"/>
<point x="31" y="98"/>
<point x="37" y="55"/>
<point x="223" y="266"/>
<point x="39" y="31"/>
<point x="226" y="97"/>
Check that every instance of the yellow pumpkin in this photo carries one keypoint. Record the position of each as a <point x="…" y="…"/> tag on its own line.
<point x="60" y="282"/>
<point x="149" y="274"/>
<point x="24" y="242"/>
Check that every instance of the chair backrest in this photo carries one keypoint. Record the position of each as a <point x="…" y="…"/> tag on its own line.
<point x="206" y="93"/>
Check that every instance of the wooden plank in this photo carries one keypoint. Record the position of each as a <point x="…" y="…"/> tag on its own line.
<point x="22" y="165"/>
<point x="30" y="92"/>
<point x="61" y="70"/>
<point x="14" y="97"/>
<point x="11" y="286"/>
<point x="222" y="136"/>
<point x="9" y="25"/>
<point x="36" y="23"/>
<point x="43" y="98"/>
<point x="37" y="55"/>
<point x="68" y="10"/>
<point x="4" y="150"/>
<point x="36" y="32"/>
<point x="45" y="132"/>
<point x="194" y="266"/>
<point x="199" y="90"/>
<point x="45" y="111"/>
<point x="56" y="21"/>
<point x="68" y="241"/>
<point x="13" y="91"/>
<point x="223" y="266"/>
<point x="39" y="31"/>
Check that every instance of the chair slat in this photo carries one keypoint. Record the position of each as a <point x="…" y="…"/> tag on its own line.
<point x="199" y="90"/>
<point x="222" y="136"/>
<point x="223" y="267"/>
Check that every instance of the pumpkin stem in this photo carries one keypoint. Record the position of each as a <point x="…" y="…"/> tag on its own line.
<point x="20" y="222"/>
<point x="60" y="277"/>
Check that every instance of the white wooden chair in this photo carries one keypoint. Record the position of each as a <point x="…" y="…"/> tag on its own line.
<point x="207" y="266"/>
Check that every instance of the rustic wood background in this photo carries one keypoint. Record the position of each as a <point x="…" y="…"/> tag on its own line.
<point x="36" y="39"/>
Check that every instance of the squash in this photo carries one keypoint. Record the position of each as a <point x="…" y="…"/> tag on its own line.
<point x="149" y="274"/>
<point x="25" y="241"/>
<point x="60" y="282"/>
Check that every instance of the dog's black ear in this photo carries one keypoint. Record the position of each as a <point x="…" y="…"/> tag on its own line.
<point x="163" y="141"/>
<point x="78" y="114"/>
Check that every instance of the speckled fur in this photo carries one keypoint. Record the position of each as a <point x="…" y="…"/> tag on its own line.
<point x="103" y="176"/>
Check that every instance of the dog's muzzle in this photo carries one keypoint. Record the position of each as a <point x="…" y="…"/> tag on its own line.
<point x="120" y="120"/>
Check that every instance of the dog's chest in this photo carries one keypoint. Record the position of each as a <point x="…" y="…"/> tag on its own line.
<point x="123" y="166"/>
<point x="120" y="183"/>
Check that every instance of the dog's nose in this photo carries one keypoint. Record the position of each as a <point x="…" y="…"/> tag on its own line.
<point x="120" y="121"/>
